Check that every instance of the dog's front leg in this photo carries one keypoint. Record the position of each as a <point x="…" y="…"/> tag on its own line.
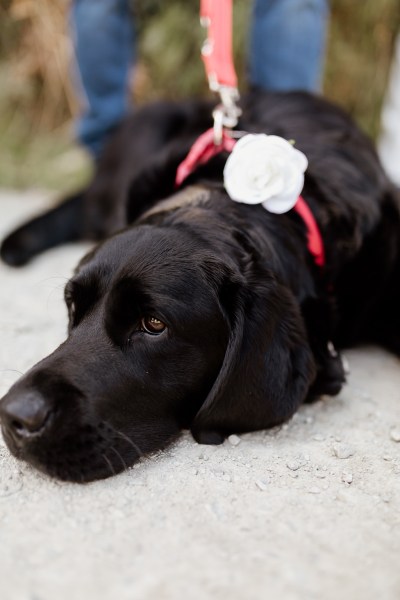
<point x="319" y="319"/>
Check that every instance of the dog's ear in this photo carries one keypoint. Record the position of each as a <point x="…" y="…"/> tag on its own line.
<point x="268" y="366"/>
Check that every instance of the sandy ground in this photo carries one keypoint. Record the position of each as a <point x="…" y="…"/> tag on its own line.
<point x="307" y="511"/>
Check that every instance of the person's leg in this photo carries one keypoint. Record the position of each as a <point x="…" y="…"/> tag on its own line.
<point x="287" y="44"/>
<point x="103" y="33"/>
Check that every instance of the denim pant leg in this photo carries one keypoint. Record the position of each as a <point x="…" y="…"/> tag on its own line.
<point x="287" y="44"/>
<point x="103" y="33"/>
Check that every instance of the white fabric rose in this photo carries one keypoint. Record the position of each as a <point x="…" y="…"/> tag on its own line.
<point x="265" y="169"/>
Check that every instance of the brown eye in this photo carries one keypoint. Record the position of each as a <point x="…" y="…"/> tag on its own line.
<point x="152" y="325"/>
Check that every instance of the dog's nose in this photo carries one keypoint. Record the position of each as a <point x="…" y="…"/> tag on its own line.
<point x="24" y="414"/>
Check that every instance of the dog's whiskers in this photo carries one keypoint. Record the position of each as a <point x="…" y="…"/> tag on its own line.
<point x="131" y="442"/>
<point x="58" y="287"/>
<point x="108" y="462"/>
<point x="119" y="456"/>
<point x="11" y="371"/>
<point x="46" y="279"/>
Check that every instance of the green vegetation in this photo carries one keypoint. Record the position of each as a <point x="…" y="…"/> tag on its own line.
<point x="37" y="102"/>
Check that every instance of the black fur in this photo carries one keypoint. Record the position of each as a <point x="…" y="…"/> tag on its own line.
<point x="250" y="318"/>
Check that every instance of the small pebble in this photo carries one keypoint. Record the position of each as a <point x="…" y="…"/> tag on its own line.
<point x="395" y="434"/>
<point x="10" y="484"/>
<point x="318" y="437"/>
<point x="347" y="477"/>
<point x="293" y="465"/>
<point x="315" y="490"/>
<point x="387" y="457"/>
<point x="261" y="485"/>
<point x="234" y="440"/>
<point x="343" y="450"/>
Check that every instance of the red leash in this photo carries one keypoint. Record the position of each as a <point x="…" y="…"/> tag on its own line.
<point x="217" y="50"/>
<point x="216" y="16"/>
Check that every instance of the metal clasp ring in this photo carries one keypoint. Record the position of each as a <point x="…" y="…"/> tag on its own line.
<point x="226" y="114"/>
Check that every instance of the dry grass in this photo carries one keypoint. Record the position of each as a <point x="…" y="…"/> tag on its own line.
<point x="359" y="53"/>
<point x="43" y="56"/>
<point x="36" y="96"/>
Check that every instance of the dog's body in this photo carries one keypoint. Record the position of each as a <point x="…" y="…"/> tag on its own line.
<point x="204" y="313"/>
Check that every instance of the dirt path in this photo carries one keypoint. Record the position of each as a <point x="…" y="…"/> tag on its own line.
<point x="308" y="511"/>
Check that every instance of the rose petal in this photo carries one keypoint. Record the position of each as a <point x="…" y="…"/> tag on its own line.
<point x="265" y="169"/>
<point x="301" y="159"/>
<point x="285" y="201"/>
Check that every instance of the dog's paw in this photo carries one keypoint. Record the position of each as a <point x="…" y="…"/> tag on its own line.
<point x="211" y="438"/>
<point x="16" y="249"/>
<point x="330" y="378"/>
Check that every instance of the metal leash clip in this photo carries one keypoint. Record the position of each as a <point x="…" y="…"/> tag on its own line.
<point x="216" y="17"/>
<point x="227" y="113"/>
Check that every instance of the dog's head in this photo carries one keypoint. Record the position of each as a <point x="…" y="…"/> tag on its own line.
<point x="165" y="333"/>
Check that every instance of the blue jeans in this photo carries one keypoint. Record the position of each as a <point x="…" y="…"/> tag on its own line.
<point x="287" y="45"/>
<point x="103" y="35"/>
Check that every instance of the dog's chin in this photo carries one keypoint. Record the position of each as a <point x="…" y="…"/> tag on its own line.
<point x="89" y="454"/>
<point x="79" y="470"/>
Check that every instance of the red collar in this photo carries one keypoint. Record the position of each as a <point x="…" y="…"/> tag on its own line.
<point x="204" y="149"/>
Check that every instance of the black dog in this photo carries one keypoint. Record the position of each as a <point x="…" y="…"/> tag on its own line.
<point x="204" y="314"/>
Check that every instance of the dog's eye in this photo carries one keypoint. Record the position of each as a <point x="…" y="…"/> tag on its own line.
<point x="152" y="325"/>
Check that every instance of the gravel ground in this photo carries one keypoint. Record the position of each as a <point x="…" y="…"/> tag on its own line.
<point x="310" y="510"/>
